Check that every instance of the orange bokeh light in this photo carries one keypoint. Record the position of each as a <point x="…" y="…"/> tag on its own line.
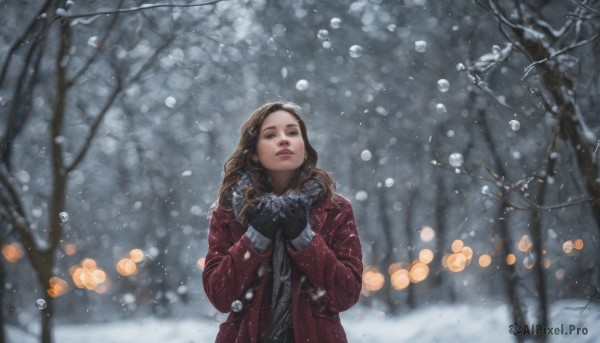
<point x="578" y="244"/>
<point x="58" y="287"/>
<point x="485" y="260"/>
<point x="394" y="267"/>
<point x="456" y="262"/>
<point x="457" y="246"/>
<point x="511" y="259"/>
<point x="418" y="272"/>
<point x="201" y="263"/>
<point x="102" y="288"/>
<point x="99" y="275"/>
<point x="426" y="256"/>
<point x="88" y="275"/>
<point x="136" y="255"/>
<point x="400" y="279"/>
<point x="12" y="252"/>
<point x="468" y="252"/>
<point x="70" y="249"/>
<point x="126" y="267"/>
<point x="89" y="264"/>
<point x="445" y="260"/>
<point x="373" y="280"/>
<point x="524" y="244"/>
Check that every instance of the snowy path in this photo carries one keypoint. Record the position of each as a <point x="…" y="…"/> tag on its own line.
<point x="436" y="323"/>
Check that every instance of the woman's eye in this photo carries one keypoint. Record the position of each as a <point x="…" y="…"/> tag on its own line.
<point x="269" y="135"/>
<point x="293" y="133"/>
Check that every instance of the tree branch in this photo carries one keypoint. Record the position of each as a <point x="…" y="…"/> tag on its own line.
<point x="565" y="204"/>
<point x="7" y="181"/>
<point x="94" y="127"/>
<point x="498" y="13"/>
<point x="19" y="42"/>
<point x="99" y="49"/>
<point x="133" y="9"/>
<point x="15" y="210"/>
<point x="152" y="58"/>
<point x="595" y="11"/>
<point x="559" y="52"/>
<point x="96" y="124"/>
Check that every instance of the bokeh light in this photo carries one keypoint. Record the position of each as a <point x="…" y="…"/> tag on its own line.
<point x="394" y="267"/>
<point x="136" y="255"/>
<point x="456" y="262"/>
<point x="511" y="259"/>
<point x="485" y="260"/>
<point x="58" y="287"/>
<point x="70" y="249"/>
<point x="468" y="252"/>
<point x="88" y="275"/>
<point x="88" y="263"/>
<point x="426" y="256"/>
<point x="418" y="272"/>
<point x="524" y="244"/>
<point x="528" y="262"/>
<point x="373" y="280"/>
<point x="400" y="279"/>
<point x="12" y="252"/>
<point x="201" y="263"/>
<point x="457" y="246"/>
<point x="102" y="288"/>
<point x="427" y="234"/>
<point x="547" y="263"/>
<point x="126" y="267"/>
<point x="567" y="246"/>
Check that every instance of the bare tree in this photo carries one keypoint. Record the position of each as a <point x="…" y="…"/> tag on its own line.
<point x="559" y="56"/>
<point x="41" y="54"/>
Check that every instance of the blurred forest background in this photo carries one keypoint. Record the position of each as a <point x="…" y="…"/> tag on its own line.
<point x="465" y="134"/>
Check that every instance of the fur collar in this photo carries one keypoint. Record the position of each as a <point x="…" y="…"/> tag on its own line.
<point x="310" y="192"/>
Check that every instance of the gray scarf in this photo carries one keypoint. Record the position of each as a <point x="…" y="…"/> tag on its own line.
<point x="281" y="297"/>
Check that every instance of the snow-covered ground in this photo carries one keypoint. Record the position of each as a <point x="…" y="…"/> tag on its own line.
<point x="435" y="323"/>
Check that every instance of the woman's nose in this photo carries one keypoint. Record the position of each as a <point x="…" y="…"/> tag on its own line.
<point x="284" y="141"/>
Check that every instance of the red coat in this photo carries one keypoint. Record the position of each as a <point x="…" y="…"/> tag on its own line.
<point x="326" y="277"/>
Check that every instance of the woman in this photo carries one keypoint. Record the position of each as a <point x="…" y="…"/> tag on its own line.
<point x="284" y="256"/>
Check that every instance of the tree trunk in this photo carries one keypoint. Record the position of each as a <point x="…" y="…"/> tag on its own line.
<point x="537" y="240"/>
<point x="47" y="320"/>
<point x="440" y="215"/>
<point x="410" y="242"/>
<point x="43" y="266"/>
<point x="386" y="227"/>
<point x="509" y="273"/>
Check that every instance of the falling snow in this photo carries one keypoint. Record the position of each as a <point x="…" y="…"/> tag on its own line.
<point x="433" y="123"/>
<point x="456" y="159"/>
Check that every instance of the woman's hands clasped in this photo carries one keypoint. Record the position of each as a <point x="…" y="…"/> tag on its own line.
<point x="294" y="218"/>
<point x="263" y="219"/>
<point x="291" y="218"/>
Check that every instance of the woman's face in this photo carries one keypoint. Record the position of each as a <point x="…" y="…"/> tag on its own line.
<point x="280" y="146"/>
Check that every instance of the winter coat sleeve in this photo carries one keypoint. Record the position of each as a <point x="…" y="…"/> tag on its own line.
<point x="232" y="264"/>
<point x="332" y="262"/>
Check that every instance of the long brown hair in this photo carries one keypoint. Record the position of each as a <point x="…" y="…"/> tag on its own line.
<point x="241" y="161"/>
